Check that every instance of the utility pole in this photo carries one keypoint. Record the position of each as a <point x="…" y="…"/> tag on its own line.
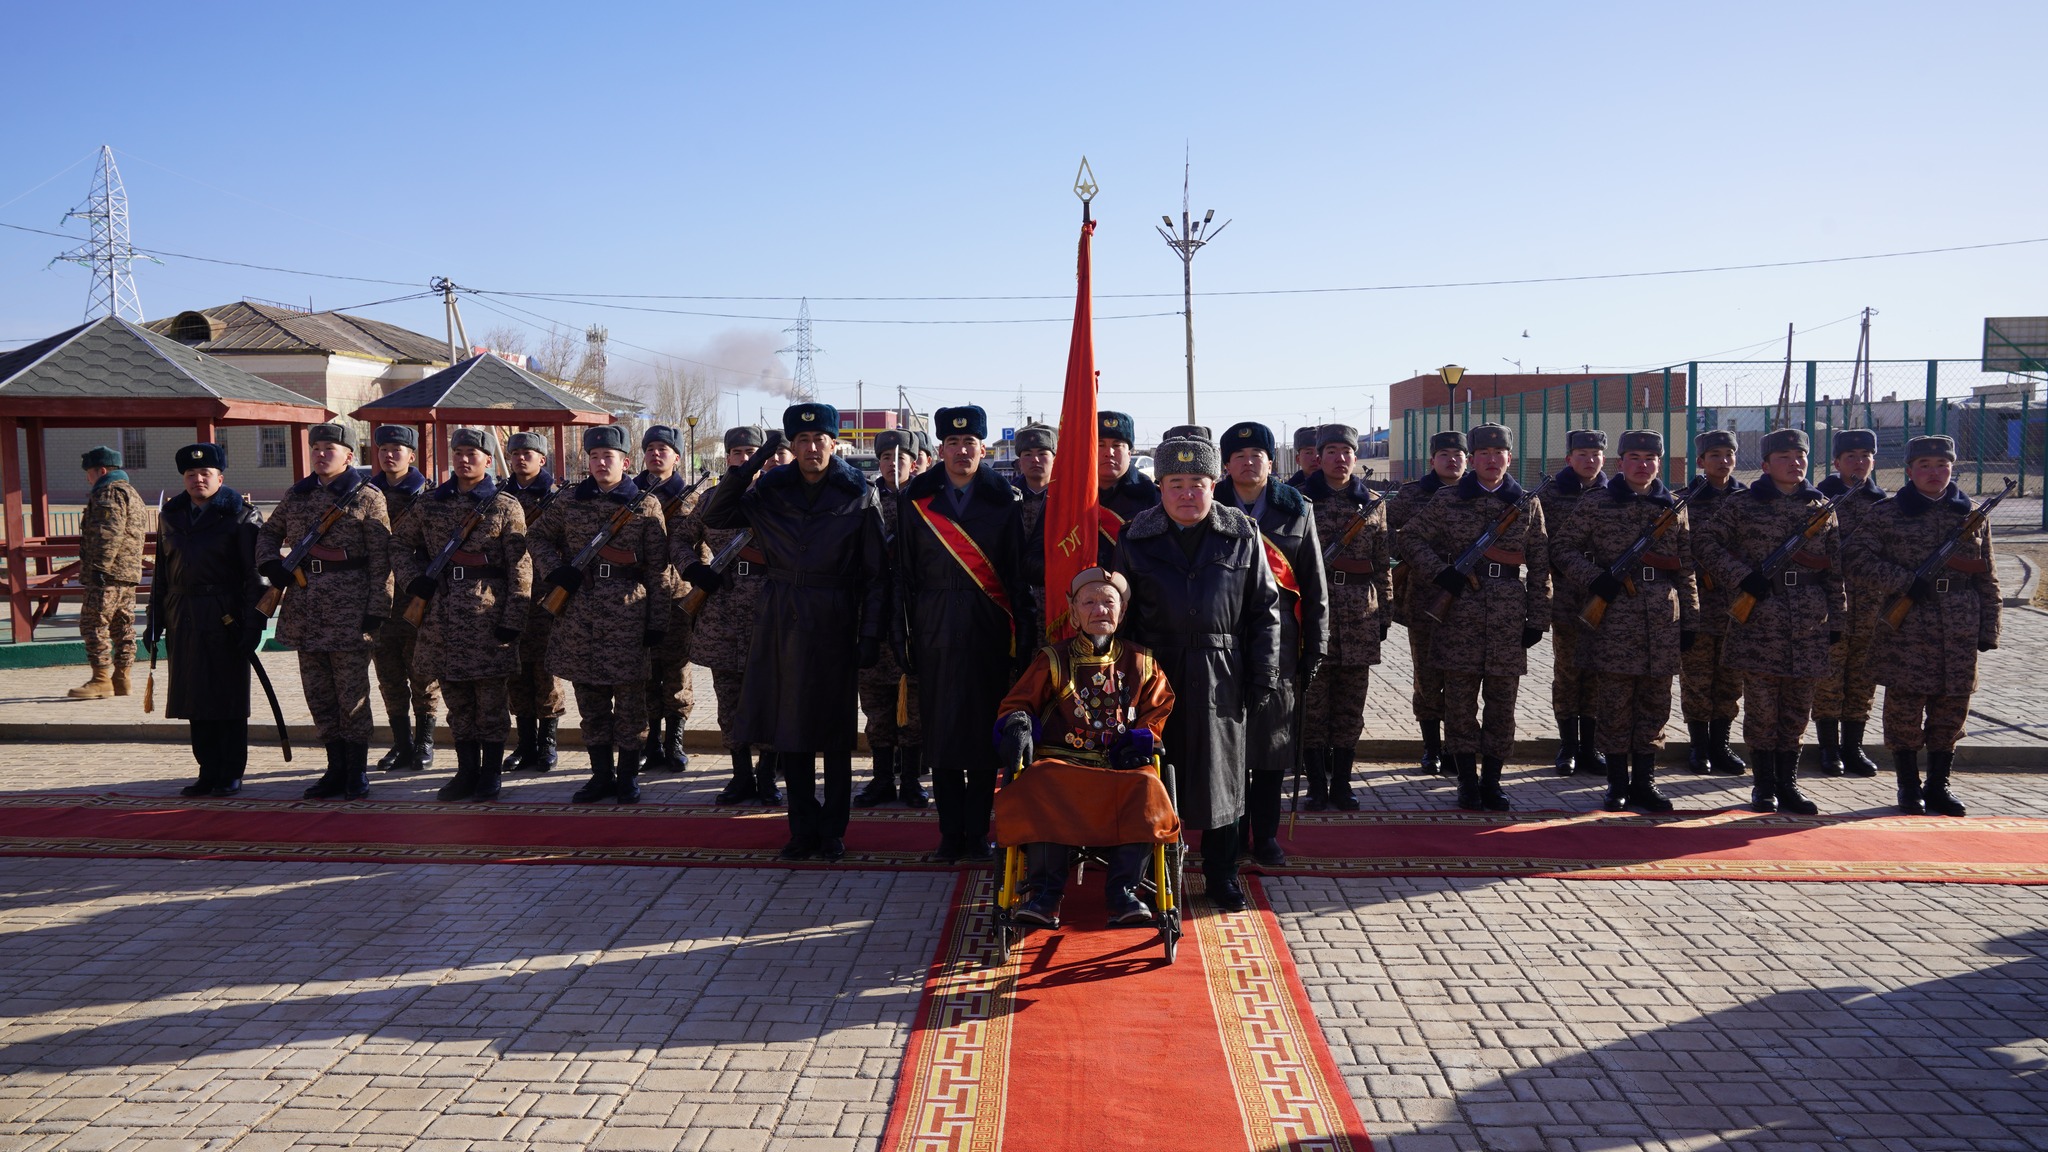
<point x="860" y="405"/>
<point x="1189" y="240"/>
<point x="448" y="288"/>
<point x="108" y="253"/>
<point x="803" y="385"/>
<point x="1784" y="418"/>
<point x="1859" y="375"/>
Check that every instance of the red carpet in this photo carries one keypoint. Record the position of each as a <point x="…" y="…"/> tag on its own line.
<point x="1727" y="845"/>
<point x="1085" y="1040"/>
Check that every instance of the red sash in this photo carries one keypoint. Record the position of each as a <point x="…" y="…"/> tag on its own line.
<point x="1283" y="572"/>
<point x="962" y="548"/>
<point x="1109" y="523"/>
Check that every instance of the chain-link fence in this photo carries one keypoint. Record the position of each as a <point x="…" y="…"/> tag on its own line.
<point x="1999" y="420"/>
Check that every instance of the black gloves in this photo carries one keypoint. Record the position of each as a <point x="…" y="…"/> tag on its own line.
<point x="1135" y="750"/>
<point x="568" y="578"/>
<point x="1256" y="698"/>
<point x="1013" y="743"/>
<point x="372" y="623"/>
<point x="421" y="587"/>
<point x="1920" y="590"/>
<point x="1686" y="639"/>
<point x="506" y="635"/>
<point x="1606" y="586"/>
<point x="1450" y="581"/>
<point x="770" y="445"/>
<point x="1305" y="668"/>
<point x="870" y="648"/>
<point x="273" y="571"/>
<point x="1986" y="645"/>
<point x="1385" y="626"/>
<point x="702" y="575"/>
<point x="652" y="638"/>
<point x="1530" y="636"/>
<point x="1757" y="585"/>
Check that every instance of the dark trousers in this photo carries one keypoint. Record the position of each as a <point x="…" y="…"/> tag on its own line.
<point x="964" y="794"/>
<point x="1219" y="854"/>
<point x="222" y="749"/>
<point x="809" y="821"/>
<point x="1262" y="806"/>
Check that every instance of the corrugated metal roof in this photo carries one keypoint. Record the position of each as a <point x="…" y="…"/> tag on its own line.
<point x="246" y="326"/>
<point x="484" y="381"/>
<point x="111" y="359"/>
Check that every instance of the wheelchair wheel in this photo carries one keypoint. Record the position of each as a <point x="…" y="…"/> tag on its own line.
<point x="1169" y="934"/>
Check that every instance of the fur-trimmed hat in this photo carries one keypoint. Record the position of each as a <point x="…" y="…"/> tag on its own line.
<point x="1713" y="438"/>
<point x="331" y="434"/>
<point x="1941" y="446"/>
<point x="1246" y="434"/>
<point x="1855" y="440"/>
<point x="1186" y="457"/>
<point x="1033" y="436"/>
<point x="1786" y="440"/>
<point x="810" y="417"/>
<point x="527" y="442"/>
<point x="966" y="420"/>
<point x="745" y="436"/>
<point x="1579" y="438"/>
<point x="1491" y="436"/>
<point x="482" y="439"/>
<point x="1305" y="437"/>
<point x="612" y="436"/>
<point x="1329" y="434"/>
<point x="1642" y="440"/>
<point x="1447" y="441"/>
<point x="201" y="456"/>
<point x="899" y="440"/>
<point x="1189" y="432"/>
<point x="99" y="456"/>
<point x="662" y="434"/>
<point x="403" y="434"/>
<point x="1116" y="426"/>
<point x="926" y="446"/>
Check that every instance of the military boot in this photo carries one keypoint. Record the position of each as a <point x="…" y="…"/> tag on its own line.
<point x="1617" y="786"/>
<point x="422" y="756"/>
<point x="1790" y="798"/>
<point x="99" y="686"/>
<point x="1590" y="759"/>
<point x="1699" y="754"/>
<point x="882" y="787"/>
<point x="1432" y="748"/>
<point x="357" y="781"/>
<point x="1939" y="800"/>
<point x="120" y="677"/>
<point x="490" y="766"/>
<point x="741" y="786"/>
<point x="1725" y="761"/>
<point x="1567" y="745"/>
<point x="463" y="785"/>
<point x="1468" y="782"/>
<point x="1314" y="766"/>
<point x="544" y="745"/>
<point x="764" y="781"/>
<point x="910" y="766"/>
<point x="1490" y="794"/>
<point x="1906" y="764"/>
<point x="330" y="783"/>
<point x="401" y="743"/>
<point x="1340" y="761"/>
<point x="1763" y="787"/>
<point x="672" y="754"/>
<point x="599" y="787"/>
<point x="1830" y="746"/>
<point x="528" y="730"/>
<point x="626" y="784"/>
<point x="1855" y="761"/>
<point x="1642" y="784"/>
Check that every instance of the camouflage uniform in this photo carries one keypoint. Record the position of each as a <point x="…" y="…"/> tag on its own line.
<point x="724" y="626"/>
<point x="1426" y="694"/>
<point x="533" y="691"/>
<point x="410" y="701"/>
<point x="1710" y="691"/>
<point x="348" y="583"/>
<point x="1571" y="683"/>
<point x="110" y="537"/>
<point x="1360" y="581"/>
<point x="599" y="642"/>
<point x="1479" y="645"/>
<point x="897" y="748"/>
<point x="670" y="694"/>
<point x="1841" y="701"/>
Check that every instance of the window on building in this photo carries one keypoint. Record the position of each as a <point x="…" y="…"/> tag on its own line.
<point x="276" y="447"/>
<point x="134" y="448"/>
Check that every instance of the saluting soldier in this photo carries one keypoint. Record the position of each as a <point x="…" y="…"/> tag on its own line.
<point x="1205" y="602"/>
<point x="1783" y="648"/>
<point x="346" y="599"/>
<point x="1308" y="459"/>
<point x="1274" y="741"/>
<point x="1928" y="664"/>
<point x="1841" y="701"/>
<point x="533" y="693"/>
<point x="203" y="608"/>
<point x="820" y="618"/>
<point x="1447" y="456"/>
<point x="1121" y="490"/>
<point x="1652" y="614"/>
<point x="897" y="749"/>
<point x="670" y="695"/>
<point x="960" y="577"/>
<point x="1361" y="592"/>
<point x="476" y="606"/>
<point x="617" y="611"/>
<point x="1037" y="444"/>
<point x="1710" y="689"/>
<point x="1496" y="613"/>
<point x="111" y="531"/>
<point x="1571" y="683"/>
<point x="409" y="701"/>
<point x="724" y="628"/>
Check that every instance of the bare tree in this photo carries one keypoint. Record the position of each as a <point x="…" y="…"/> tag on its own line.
<point x="505" y="338"/>
<point x="672" y="393"/>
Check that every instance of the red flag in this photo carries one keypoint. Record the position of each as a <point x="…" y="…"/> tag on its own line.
<point x="1070" y="503"/>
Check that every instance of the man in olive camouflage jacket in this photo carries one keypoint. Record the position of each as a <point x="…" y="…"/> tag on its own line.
<point x="1841" y="701"/>
<point x="534" y="695"/>
<point x="1571" y="684"/>
<point x="670" y="695"/>
<point x="1447" y="457"/>
<point x="897" y="749"/>
<point x="110" y="536"/>
<point x="1359" y="586"/>
<point x="409" y="701"/>
<point x="1710" y="691"/>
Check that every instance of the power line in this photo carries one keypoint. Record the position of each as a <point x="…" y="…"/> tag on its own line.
<point x="594" y="302"/>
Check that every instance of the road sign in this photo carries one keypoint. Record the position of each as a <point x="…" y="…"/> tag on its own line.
<point x="1009" y="433"/>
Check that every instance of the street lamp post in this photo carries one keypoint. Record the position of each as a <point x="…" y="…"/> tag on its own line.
<point x="1451" y="373"/>
<point x="1193" y="234"/>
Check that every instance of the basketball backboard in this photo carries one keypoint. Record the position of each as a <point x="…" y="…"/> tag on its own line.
<point x="2016" y="344"/>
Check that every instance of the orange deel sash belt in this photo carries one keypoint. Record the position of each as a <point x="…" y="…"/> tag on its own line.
<point x="963" y="549"/>
<point x="1283" y="572"/>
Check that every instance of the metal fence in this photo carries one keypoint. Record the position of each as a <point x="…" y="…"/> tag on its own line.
<point x="1999" y="421"/>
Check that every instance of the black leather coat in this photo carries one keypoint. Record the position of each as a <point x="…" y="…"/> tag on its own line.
<point x="204" y="604"/>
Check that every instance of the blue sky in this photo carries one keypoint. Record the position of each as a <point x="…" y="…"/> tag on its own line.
<point x="784" y="150"/>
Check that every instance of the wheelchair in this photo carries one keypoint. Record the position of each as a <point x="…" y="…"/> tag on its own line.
<point x="1159" y="886"/>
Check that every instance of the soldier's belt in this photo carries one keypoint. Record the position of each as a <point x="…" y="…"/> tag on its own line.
<point x="812" y="579"/>
<point x="610" y="570"/>
<point x="1946" y="584"/>
<point x="476" y="572"/>
<point x="314" y="566"/>
<point x="1495" y="570"/>
<point x="1341" y="571"/>
<point x="1968" y="565"/>
<point x="327" y="552"/>
<point x="748" y="560"/>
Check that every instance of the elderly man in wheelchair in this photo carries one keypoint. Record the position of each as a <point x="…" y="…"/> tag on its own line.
<point x="1085" y="717"/>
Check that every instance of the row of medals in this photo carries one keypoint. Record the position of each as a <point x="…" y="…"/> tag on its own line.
<point x="1098" y="701"/>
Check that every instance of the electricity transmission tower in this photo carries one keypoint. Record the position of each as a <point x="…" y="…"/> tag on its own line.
<point x="803" y="384"/>
<point x="108" y="253"/>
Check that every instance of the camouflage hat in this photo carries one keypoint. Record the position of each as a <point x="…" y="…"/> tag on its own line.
<point x="966" y="420"/>
<point x="1305" y="437"/>
<point x="1579" y="438"/>
<point x="810" y="417"/>
<point x="1855" y="440"/>
<point x="661" y="434"/>
<point x="1491" y="436"/>
<point x="481" y="439"/>
<point x="1450" y="440"/>
<point x="1247" y="434"/>
<point x="610" y="436"/>
<point x="745" y="436"/>
<point x="100" y="456"/>
<point x="1712" y="439"/>
<point x="895" y="440"/>
<point x="1941" y="446"/>
<point x="1186" y="457"/>
<point x="1785" y="440"/>
<point x="1642" y="440"/>
<point x="1033" y="436"/>
<point x="403" y="434"/>
<point x="331" y="434"/>
<point x="1329" y="434"/>
<point x="527" y="442"/>
<point x="201" y="456"/>
<point x="1116" y="426"/>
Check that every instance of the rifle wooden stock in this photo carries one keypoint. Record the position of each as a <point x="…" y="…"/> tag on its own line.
<point x="903" y="700"/>
<point x="694" y="602"/>
<point x="1896" y="608"/>
<point x="267" y="603"/>
<point x="415" y="611"/>
<point x="556" y="600"/>
<point x="1743" y="606"/>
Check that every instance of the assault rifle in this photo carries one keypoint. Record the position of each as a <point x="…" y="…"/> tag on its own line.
<point x="1351" y="530"/>
<point x="416" y="608"/>
<point x="1469" y="559"/>
<point x="1896" y="608"/>
<point x="1624" y="565"/>
<point x="694" y="602"/>
<point x="1774" y="564"/>
<point x="297" y="556"/>
<point x="558" y="596"/>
